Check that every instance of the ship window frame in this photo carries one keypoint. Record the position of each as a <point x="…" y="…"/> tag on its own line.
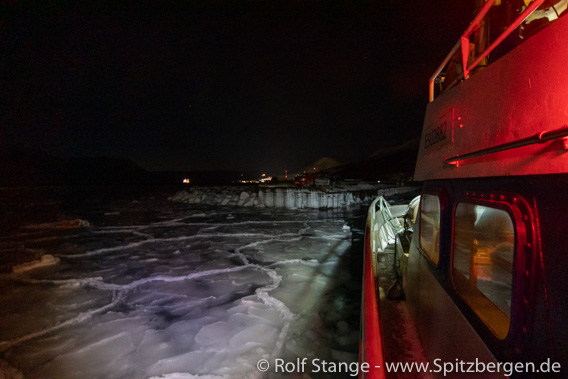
<point x="433" y="257"/>
<point x="519" y="235"/>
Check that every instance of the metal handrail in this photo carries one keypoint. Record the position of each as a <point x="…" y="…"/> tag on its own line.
<point x="518" y="21"/>
<point x="440" y="68"/>
<point x="541" y="137"/>
<point x="464" y="42"/>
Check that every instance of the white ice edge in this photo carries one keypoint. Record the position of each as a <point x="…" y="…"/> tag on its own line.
<point x="158" y="240"/>
<point x="121" y="290"/>
<point x="117" y="297"/>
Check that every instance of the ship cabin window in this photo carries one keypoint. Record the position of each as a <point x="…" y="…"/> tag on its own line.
<point x="430" y="226"/>
<point x="483" y="246"/>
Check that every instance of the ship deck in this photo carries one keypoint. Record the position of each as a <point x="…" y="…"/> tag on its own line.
<point x="400" y="338"/>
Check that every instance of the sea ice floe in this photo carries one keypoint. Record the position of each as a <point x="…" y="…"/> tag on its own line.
<point x="181" y="299"/>
<point x="44" y="261"/>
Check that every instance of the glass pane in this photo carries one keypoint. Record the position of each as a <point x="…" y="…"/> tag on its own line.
<point x="484" y="245"/>
<point x="430" y="226"/>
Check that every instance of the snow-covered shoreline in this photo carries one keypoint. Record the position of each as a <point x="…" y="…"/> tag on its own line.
<point x="285" y="197"/>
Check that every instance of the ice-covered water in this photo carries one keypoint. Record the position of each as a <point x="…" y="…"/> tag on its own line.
<point x="134" y="286"/>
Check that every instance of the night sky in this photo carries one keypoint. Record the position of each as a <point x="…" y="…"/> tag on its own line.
<point x="241" y="85"/>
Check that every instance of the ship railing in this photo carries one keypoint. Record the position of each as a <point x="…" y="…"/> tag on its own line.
<point x="384" y="225"/>
<point x="463" y="42"/>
